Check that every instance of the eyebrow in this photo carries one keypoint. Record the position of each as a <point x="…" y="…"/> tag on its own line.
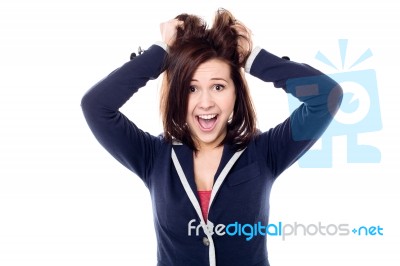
<point x="213" y="79"/>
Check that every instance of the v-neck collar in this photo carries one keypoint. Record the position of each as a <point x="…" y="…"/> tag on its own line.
<point x="184" y="166"/>
<point x="185" y="157"/>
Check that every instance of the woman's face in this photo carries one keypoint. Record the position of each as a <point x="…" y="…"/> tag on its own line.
<point x="210" y="104"/>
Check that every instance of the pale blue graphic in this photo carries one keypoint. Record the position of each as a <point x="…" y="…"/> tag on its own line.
<point x="359" y="113"/>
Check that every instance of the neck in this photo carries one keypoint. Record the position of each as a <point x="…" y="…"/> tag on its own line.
<point x="209" y="148"/>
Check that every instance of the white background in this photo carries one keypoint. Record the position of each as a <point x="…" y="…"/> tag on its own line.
<point x="65" y="201"/>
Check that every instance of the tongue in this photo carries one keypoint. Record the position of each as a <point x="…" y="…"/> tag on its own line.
<point x="207" y="123"/>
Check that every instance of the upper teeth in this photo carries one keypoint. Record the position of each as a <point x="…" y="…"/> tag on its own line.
<point x="207" y="116"/>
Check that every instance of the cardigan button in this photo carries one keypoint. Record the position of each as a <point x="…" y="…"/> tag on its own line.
<point x="206" y="242"/>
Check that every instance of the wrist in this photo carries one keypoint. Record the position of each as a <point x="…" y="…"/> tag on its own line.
<point x="251" y="58"/>
<point x="162" y="45"/>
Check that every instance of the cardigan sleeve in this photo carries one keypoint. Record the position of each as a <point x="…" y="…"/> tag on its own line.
<point x="131" y="146"/>
<point x="320" y="96"/>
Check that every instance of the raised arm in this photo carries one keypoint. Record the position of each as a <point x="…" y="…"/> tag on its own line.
<point x="320" y="96"/>
<point x="128" y="144"/>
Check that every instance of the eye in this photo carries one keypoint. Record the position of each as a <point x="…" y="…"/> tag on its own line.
<point x="219" y="87"/>
<point x="192" y="89"/>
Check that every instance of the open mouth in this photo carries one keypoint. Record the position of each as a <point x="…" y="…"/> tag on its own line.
<point x="207" y="122"/>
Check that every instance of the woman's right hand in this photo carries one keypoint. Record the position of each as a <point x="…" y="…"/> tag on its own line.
<point x="168" y="31"/>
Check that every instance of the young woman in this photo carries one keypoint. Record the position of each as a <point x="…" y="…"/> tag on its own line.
<point x="212" y="170"/>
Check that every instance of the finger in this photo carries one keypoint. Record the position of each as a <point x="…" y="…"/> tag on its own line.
<point x="178" y="23"/>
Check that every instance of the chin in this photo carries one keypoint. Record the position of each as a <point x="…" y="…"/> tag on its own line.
<point x="209" y="140"/>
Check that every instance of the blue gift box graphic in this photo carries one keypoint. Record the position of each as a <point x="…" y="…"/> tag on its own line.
<point x="358" y="113"/>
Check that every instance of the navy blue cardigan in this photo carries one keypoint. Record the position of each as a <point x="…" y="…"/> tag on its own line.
<point x="242" y="197"/>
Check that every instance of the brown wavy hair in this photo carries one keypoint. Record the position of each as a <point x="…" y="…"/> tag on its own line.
<point x="195" y="44"/>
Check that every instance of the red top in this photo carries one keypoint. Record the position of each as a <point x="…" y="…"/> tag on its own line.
<point x="204" y="201"/>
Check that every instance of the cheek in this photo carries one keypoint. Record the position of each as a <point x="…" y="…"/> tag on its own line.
<point x="230" y="103"/>
<point x="226" y="102"/>
<point x="233" y="102"/>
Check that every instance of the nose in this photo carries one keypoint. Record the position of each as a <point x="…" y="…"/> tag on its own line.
<point x="206" y="100"/>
